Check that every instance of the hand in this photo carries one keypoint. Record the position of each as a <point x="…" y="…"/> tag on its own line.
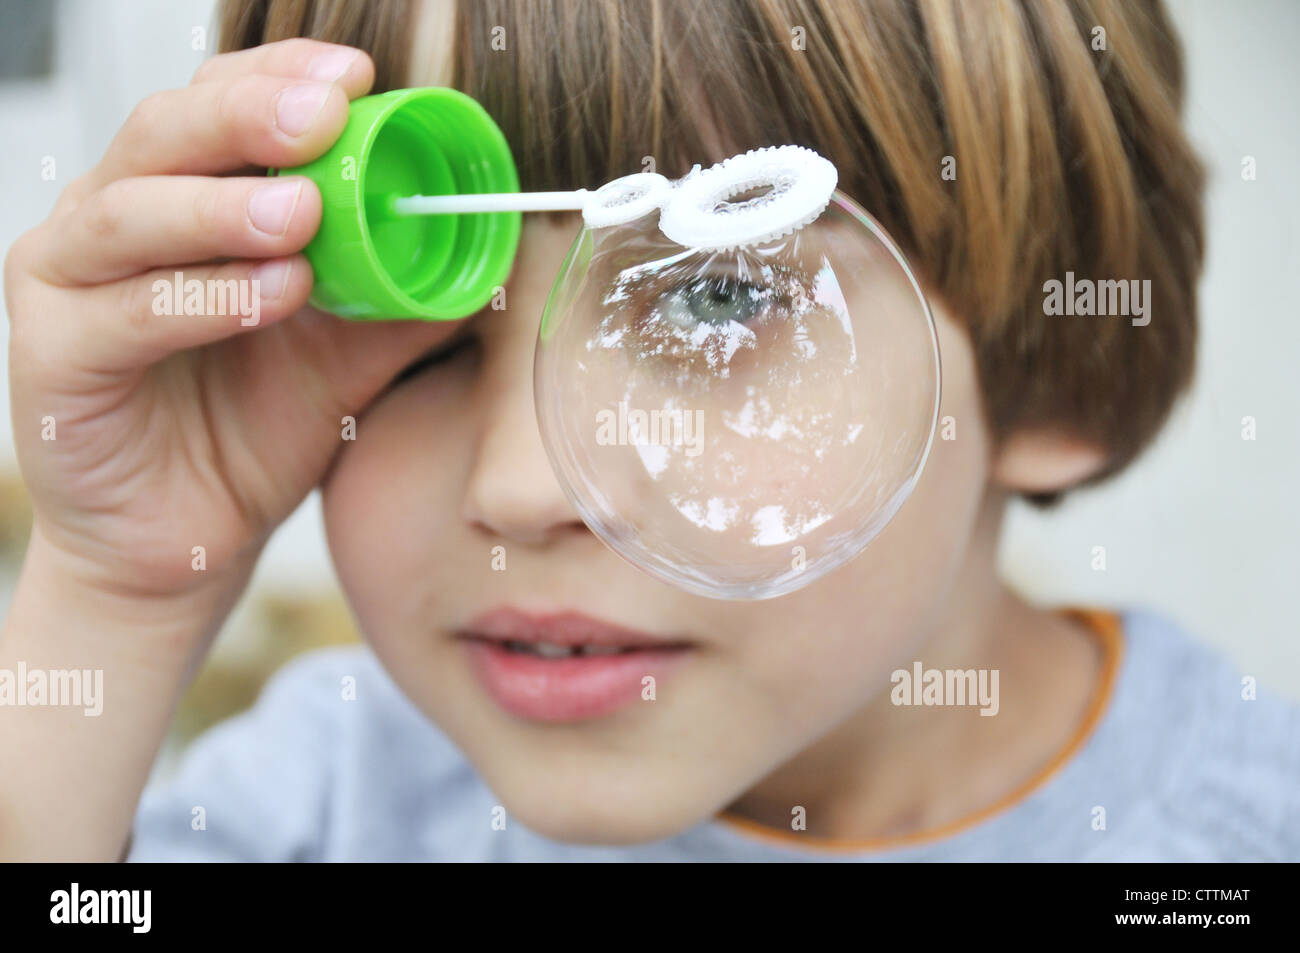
<point x="143" y="436"/>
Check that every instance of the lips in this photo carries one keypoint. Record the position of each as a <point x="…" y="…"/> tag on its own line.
<point x="565" y="667"/>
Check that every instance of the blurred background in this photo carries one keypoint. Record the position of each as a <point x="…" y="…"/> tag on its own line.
<point x="1205" y="528"/>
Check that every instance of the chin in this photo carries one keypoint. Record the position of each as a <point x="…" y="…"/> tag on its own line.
<point x="584" y="808"/>
<point x="604" y="825"/>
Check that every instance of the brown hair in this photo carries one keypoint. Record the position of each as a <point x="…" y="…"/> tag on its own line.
<point x="1068" y="157"/>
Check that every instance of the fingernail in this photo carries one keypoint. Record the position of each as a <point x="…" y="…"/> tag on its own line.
<point x="270" y="207"/>
<point x="330" y="65"/>
<point x="297" y="107"/>
<point x="272" y="278"/>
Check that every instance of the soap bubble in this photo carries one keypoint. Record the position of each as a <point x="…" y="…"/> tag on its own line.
<point x="738" y="422"/>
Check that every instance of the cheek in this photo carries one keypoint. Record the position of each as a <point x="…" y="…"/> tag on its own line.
<point x="392" y="501"/>
<point x="830" y="646"/>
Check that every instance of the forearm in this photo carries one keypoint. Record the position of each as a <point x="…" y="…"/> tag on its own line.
<point x="73" y="761"/>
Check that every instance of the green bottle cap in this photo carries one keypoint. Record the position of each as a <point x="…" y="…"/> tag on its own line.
<point x="371" y="263"/>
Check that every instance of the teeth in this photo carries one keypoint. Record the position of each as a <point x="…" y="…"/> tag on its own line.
<point x="546" y="650"/>
<point x="549" y="650"/>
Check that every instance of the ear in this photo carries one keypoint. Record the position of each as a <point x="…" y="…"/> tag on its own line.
<point x="1045" y="462"/>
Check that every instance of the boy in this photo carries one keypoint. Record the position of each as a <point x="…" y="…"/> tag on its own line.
<point x="470" y="728"/>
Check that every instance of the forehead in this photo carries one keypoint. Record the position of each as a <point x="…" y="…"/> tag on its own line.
<point x="544" y="242"/>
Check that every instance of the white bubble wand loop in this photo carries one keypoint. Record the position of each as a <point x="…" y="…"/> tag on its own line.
<point x="792" y="187"/>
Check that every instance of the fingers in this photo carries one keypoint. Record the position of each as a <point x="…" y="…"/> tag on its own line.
<point x="293" y="63"/>
<point x="134" y="224"/>
<point x="146" y="210"/>
<point x="220" y="127"/>
<point x="137" y="321"/>
<point x="298" y="58"/>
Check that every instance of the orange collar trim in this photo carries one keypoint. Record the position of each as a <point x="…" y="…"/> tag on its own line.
<point x="1109" y="631"/>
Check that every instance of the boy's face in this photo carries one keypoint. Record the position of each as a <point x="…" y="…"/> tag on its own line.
<point x="448" y="477"/>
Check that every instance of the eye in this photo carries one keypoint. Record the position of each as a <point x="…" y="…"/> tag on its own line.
<point x="692" y="322"/>
<point x="711" y="300"/>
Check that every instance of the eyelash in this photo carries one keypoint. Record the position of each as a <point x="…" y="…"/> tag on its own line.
<point x="649" y="296"/>
<point x="657" y="298"/>
<point x="439" y="355"/>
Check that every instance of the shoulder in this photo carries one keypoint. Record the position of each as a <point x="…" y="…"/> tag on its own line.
<point x="330" y="745"/>
<point x="333" y="700"/>
<point x="1219" y="751"/>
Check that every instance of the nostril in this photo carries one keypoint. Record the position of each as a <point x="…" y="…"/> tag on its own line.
<point x="521" y="523"/>
<point x="519" y="503"/>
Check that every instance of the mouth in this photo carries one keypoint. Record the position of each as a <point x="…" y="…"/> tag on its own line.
<point x="566" y="666"/>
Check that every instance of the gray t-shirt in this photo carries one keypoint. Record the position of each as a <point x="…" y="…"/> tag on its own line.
<point x="1184" y="767"/>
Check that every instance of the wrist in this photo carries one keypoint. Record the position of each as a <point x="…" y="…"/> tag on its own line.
<point x="84" y="763"/>
<point x="62" y="597"/>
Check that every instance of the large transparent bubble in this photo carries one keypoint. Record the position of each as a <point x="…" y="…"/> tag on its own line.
<point x="738" y="422"/>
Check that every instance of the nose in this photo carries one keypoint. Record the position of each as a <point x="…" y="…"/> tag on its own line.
<point x="512" y="492"/>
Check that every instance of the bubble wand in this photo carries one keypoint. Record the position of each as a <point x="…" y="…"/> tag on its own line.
<point x="421" y="206"/>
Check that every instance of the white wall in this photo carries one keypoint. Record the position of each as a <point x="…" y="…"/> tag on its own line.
<point x="1206" y="527"/>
